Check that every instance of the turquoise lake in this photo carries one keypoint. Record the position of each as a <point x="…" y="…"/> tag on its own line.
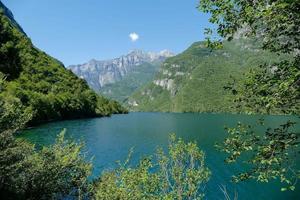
<point x="109" y="139"/>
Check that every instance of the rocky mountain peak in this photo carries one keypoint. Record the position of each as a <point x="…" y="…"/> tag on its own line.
<point x="137" y="52"/>
<point x="151" y="56"/>
<point x="99" y="73"/>
<point x="166" y="53"/>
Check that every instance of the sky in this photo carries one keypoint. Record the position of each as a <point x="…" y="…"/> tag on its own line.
<point x="76" y="31"/>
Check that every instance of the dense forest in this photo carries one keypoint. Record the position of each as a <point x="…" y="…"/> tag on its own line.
<point x="35" y="87"/>
<point x="41" y="83"/>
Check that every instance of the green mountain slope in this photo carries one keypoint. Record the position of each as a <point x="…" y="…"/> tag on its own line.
<point x="41" y="82"/>
<point x="140" y="75"/>
<point x="194" y="80"/>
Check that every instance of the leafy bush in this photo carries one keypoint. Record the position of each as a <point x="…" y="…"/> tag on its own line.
<point x="270" y="88"/>
<point x="271" y="155"/>
<point x="27" y="173"/>
<point x="181" y="174"/>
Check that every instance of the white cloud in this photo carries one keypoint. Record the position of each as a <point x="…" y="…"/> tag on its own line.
<point x="134" y="36"/>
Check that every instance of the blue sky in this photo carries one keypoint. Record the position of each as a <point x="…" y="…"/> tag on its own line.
<point x="75" y="31"/>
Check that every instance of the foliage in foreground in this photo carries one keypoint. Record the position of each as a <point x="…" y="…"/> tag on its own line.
<point x="181" y="174"/>
<point x="273" y="87"/>
<point x="270" y="88"/>
<point x="53" y="172"/>
<point x="272" y="155"/>
<point x="27" y="173"/>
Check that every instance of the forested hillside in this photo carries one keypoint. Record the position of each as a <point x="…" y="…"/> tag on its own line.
<point x="194" y="80"/>
<point x="40" y="82"/>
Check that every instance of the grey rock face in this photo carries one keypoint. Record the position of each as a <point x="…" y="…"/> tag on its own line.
<point x="101" y="73"/>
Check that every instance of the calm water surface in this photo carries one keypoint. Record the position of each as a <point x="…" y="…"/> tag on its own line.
<point x="109" y="139"/>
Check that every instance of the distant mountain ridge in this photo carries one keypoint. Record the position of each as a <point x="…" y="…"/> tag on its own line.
<point x="101" y="73"/>
<point x="194" y="80"/>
